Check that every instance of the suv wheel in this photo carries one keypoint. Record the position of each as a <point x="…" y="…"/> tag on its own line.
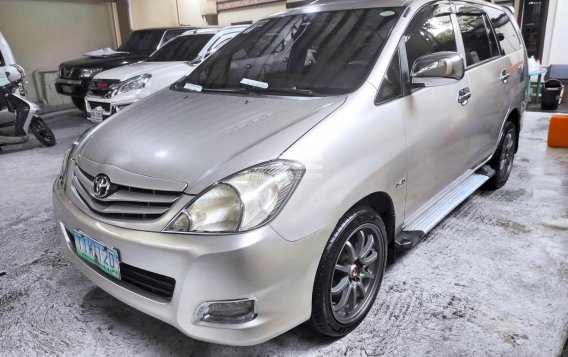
<point x="502" y="161"/>
<point x="350" y="273"/>
<point x="79" y="103"/>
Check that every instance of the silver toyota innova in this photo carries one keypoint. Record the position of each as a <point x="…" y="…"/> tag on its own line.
<point x="269" y="186"/>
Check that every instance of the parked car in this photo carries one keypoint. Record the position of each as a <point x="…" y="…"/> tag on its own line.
<point x="75" y="76"/>
<point x="115" y="89"/>
<point x="268" y="187"/>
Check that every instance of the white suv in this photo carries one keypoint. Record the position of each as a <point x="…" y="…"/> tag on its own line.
<point x="115" y="89"/>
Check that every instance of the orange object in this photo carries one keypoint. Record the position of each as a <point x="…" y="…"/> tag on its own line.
<point x="558" y="131"/>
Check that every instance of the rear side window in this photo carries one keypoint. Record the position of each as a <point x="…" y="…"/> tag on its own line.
<point x="391" y="87"/>
<point x="505" y="30"/>
<point x="429" y="33"/>
<point x="478" y="39"/>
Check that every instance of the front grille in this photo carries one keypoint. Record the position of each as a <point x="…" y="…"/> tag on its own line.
<point x="69" y="73"/>
<point x="102" y="87"/>
<point x="154" y="283"/>
<point x="124" y="202"/>
<point x="105" y="106"/>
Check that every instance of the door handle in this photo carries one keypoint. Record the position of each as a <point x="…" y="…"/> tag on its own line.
<point x="504" y="77"/>
<point x="464" y="95"/>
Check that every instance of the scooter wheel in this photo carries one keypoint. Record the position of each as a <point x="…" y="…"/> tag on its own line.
<point x="41" y="131"/>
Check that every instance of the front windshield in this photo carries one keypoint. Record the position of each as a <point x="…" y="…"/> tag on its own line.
<point x="323" y="53"/>
<point x="142" y="41"/>
<point x="182" y="48"/>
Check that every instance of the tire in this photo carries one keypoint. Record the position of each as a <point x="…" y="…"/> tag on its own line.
<point x="41" y="131"/>
<point x="79" y="103"/>
<point x="333" y="313"/>
<point x="502" y="161"/>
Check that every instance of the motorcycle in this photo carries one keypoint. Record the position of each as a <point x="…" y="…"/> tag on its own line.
<point x="26" y="120"/>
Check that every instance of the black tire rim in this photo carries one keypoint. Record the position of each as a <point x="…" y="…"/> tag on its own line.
<point x="356" y="274"/>
<point x="42" y="132"/>
<point x="507" y="155"/>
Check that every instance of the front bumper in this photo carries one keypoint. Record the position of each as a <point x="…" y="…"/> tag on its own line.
<point x="107" y="107"/>
<point x="72" y="87"/>
<point x="259" y="264"/>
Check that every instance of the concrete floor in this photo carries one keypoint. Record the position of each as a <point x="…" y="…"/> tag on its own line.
<point x="491" y="279"/>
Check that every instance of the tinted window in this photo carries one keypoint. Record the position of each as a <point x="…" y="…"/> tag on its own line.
<point x="171" y="34"/>
<point x="2" y="63"/>
<point x="391" y="87"/>
<point x="322" y="52"/>
<point x="429" y="33"/>
<point x="506" y="34"/>
<point x="478" y="39"/>
<point x="142" y="41"/>
<point x="183" y="48"/>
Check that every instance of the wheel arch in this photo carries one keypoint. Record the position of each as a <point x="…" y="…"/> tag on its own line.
<point x="515" y="117"/>
<point x="382" y="203"/>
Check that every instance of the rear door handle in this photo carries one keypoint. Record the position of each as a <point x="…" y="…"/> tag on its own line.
<point x="505" y="75"/>
<point x="464" y="95"/>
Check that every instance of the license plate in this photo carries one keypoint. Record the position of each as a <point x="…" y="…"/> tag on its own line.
<point x="97" y="114"/>
<point x="66" y="88"/>
<point x="98" y="254"/>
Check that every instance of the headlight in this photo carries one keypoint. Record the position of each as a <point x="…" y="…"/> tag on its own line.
<point x="241" y="202"/>
<point x="90" y="72"/>
<point x="133" y="83"/>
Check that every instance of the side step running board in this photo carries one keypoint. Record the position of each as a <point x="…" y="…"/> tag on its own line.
<point x="414" y="230"/>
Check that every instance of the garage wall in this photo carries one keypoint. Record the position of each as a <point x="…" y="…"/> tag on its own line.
<point x="250" y="13"/>
<point x="152" y="13"/>
<point x="43" y="34"/>
<point x="555" y="48"/>
<point x="190" y="12"/>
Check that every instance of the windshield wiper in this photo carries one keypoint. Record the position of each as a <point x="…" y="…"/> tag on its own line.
<point x="289" y="90"/>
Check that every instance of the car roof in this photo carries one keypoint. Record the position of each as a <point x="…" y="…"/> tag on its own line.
<point x="335" y="5"/>
<point x="215" y="30"/>
<point x="167" y="28"/>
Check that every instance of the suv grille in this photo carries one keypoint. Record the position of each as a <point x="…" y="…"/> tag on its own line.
<point x="102" y="87"/>
<point x="124" y="202"/>
<point x="105" y="106"/>
<point x="69" y="73"/>
<point x="146" y="280"/>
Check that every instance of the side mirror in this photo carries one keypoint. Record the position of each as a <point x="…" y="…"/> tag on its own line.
<point x="437" y="69"/>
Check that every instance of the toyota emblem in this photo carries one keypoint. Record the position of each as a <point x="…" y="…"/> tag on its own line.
<point x="101" y="186"/>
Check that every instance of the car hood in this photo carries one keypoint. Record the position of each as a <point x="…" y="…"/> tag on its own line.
<point x="156" y="69"/>
<point x="105" y="62"/>
<point x="198" y="138"/>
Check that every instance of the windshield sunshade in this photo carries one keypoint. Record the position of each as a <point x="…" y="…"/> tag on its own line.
<point x="324" y="53"/>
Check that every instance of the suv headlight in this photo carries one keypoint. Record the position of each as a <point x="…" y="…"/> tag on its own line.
<point x="241" y="202"/>
<point x="90" y="72"/>
<point x="133" y="83"/>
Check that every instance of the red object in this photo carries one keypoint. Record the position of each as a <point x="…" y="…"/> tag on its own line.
<point x="102" y="84"/>
<point x="558" y="131"/>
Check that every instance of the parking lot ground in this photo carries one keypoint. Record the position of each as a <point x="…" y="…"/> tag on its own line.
<point x="490" y="280"/>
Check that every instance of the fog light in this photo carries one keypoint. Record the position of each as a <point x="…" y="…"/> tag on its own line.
<point x="227" y="312"/>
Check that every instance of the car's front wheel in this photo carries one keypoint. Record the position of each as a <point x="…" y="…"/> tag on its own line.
<point x="350" y="273"/>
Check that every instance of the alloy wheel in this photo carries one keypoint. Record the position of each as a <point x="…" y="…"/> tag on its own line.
<point x="356" y="273"/>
